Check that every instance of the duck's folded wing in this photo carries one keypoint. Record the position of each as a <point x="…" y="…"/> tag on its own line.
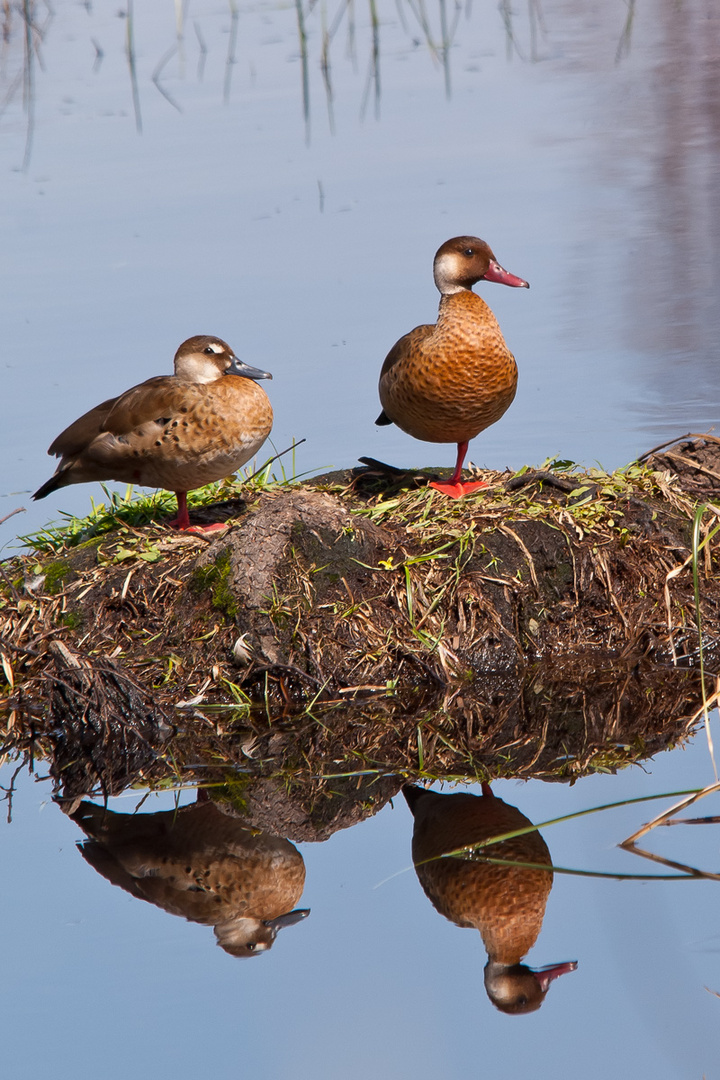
<point x="160" y="397"/>
<point x="73" y="440"/>
<point x="406" y="345"/>
<point x="157" y="399"/>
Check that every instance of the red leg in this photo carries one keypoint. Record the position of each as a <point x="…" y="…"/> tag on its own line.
<point x="182" y="521"/>
<point x="462" y="451"/>
<point x="453" y="487"/>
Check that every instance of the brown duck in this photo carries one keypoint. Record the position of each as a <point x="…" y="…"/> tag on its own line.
<point x="448" y="382"/>
<point x="505" y="903"/>
<point x="203" y="864"/>
<point x="177" y="432"/>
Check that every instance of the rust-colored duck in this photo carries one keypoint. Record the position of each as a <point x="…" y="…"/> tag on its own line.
<point x="203" y="864"/>
<point x="177" y="432"/>
<point x="448" y="382"/>
<point x="505" y="903"/>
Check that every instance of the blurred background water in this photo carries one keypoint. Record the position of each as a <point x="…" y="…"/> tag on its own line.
<point x="581" y="143"/>
<point x="281" y="176"/>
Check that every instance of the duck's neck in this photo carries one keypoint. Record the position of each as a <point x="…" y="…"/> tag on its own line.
<point x="450" y="288"/>
<point x="464" y="308"/>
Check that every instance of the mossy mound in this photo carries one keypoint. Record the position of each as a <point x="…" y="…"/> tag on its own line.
<point x="366" y="624"/>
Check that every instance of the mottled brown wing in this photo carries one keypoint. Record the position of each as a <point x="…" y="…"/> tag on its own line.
<point x="73" y="440"/>
<point x="108" y="866"/>
<point x="404" y="345"/>
<point x="162" y="396"/>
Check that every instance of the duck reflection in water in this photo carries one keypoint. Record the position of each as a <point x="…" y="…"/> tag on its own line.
<point x="203" y="864"/>
<point x="505" y="903"/>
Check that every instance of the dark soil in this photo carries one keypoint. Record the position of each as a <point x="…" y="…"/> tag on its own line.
<point x="362" y="627"/>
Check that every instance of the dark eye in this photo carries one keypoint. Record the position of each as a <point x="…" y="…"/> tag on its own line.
<point x="250" y="946"/>
<point x="209" y="349"/>
<point x="468" y="251"/>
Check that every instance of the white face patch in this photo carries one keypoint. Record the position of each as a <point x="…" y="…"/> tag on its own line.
<point x="447" y="268"/>
<point x="215" y="347"/>
<point x="199" y="368"/>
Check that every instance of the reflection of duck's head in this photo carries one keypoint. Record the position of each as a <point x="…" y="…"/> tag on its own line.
<point x="243" y="937"/>
<point x="177" y="432"/>
<point x="449" y="381"/>
<point x="203" y="864"/>
<point x="517" y="988"/>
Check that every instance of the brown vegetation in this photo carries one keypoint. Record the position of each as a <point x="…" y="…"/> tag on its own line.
<point x="358" y="627"/>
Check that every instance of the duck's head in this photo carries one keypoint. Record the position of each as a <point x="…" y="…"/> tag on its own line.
<point x="465" y="260"/>
<point x="204" y="359"/>
<point x="244" y="937"/>
<point x="517" y="988"/>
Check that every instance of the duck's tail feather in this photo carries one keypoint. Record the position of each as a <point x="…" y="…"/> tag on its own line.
<point x="57" y="480"/>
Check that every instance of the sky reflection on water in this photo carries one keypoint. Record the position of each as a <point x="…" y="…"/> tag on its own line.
<point x="311" y="259"/>
<point x="374" y="980"/>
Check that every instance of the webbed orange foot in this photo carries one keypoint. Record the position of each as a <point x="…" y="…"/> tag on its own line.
<point x="457" y="491"/>
<point x="181" y="525"/>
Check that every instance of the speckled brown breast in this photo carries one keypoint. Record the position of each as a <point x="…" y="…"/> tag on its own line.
<point x="446" y="383"/>
<point x="505" y="903"/>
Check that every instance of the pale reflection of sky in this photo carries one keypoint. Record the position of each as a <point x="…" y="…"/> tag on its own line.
<point x="374" y="982"/>
<point x="590" y="178"/>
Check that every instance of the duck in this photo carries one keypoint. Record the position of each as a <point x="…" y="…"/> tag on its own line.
<point x="203" y="864"/>
<point x="176" y="432"/>
<point x="505" y="903"/>
<point x="448" y="382"/>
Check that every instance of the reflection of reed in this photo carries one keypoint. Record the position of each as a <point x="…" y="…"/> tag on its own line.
<point x="232" y="45"/>
<point x="440" y="51"/>
<point x="433" y="24"/>
<point x="180" y="32"/>
<point x="373" y="79"/>
<point x="33" y="35"/>
<point x="130" y="51"/>
<point x="325" y="69"/>
<point x="665" y="818"/>
<point x="202" y="45"/>
<point x="29" y="82"/>
<point x="302" y="37"/>
<point x="158" y="72"/>
<point x="99" y="55"/>
<point x="536" y="25"/>
<point x="624" y="43"/>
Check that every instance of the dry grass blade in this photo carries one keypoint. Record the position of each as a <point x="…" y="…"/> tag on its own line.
<point x="661" y="818"/>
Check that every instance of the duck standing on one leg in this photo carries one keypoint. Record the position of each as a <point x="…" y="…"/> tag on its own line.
<point x="504" y="900"/>
<point x="448" y="382"/>
<point x="176" y="432"/>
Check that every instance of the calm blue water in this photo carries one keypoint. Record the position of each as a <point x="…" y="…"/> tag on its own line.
<point x="374" y="981"/>
<point x="312" y="253"/>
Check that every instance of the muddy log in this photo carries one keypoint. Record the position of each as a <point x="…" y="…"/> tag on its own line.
<point x="545" y="627"/>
